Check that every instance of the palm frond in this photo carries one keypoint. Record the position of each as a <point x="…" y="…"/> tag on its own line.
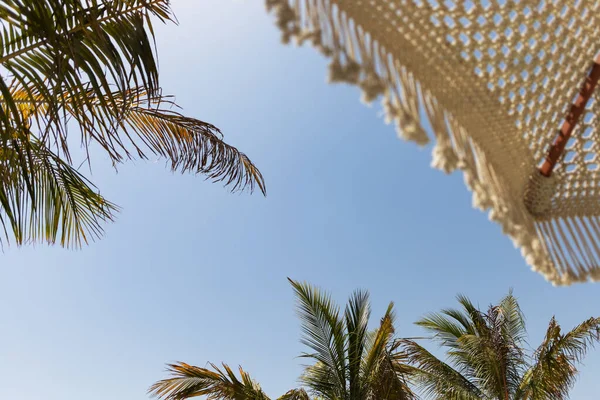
<point x="514" y="320"/>
<point x="66" y="207"/>
<point x="56" y="47"/>
<point x="445" y="331"/>
<point x="357" y="315"/>
<point x="435" y="378"/>
<point x="384" y="372"/>
<point x="554" y="371"/>
<point x="323" y="332"/>
<point x="321" y="381"/>
<point x="295" y="394"/>
<point x="376" y="347"/>
<point x="190" y="145"/>
<point x="190" y="381"/>
<point x="90" y="63"/>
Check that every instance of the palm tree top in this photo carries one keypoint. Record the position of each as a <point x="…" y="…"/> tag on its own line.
<point x="486" y="357"/>
<point x="90" y="65"/>
<point x="347" y="361"/>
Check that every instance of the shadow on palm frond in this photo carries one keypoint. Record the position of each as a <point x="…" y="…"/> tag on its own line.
<point x="90" y="63"/>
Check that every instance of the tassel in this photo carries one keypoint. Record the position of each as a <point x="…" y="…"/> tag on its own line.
<point x="313" y="36"/>
<point x="287" y="20"/>
<point x="443" y="157"/>
<point x="407" y="127"/>
<point x="372" y="87"/>
<point x="343" y="73"/>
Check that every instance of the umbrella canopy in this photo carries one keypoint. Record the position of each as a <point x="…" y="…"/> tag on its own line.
<point x="496" y="80"/>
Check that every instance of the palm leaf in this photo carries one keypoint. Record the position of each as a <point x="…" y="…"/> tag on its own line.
<point x="323" y="332"/>
<point x="190" y="381"/>
<point x="321" y="381"/>
<point x="188" y="144"/>
<point x="295" y="394"/>
<point x="437" y="379"/>
<point x="191" y="145"/>
<point x="384" y="369"/>
<point x="554" y="371"/>
<point x="53" y="47"/>
<point x="66" y="209"/>
<point x="357" y="315"/>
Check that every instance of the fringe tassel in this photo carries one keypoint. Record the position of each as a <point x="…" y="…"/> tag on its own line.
<point x="563" y="250"/>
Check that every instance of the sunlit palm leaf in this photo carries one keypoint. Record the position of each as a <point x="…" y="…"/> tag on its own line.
<point x="323" y="332"/>
<point x="486" y="351"/>
<point x="91" y="64"/>
<point x="356" y="315"/>
<point x="436" y="379"/>
<point x="321" y="381"/>
<point x="554" y="371"/>
<point x="384" y="371"/>
<point x="190" y="381"/>
<point x="56" y="47"/>
<point x="295" y="394"/>
<point x="66" y="209"/>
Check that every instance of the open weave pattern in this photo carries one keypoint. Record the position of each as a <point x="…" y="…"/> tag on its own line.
<point x="495" y="79"/>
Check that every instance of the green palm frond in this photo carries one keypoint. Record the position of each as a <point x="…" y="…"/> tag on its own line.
<point x="554" y="371"/>
<point x="66" y="209"/>
<point x="357" y="315"/>
<point x="295" y="394"/>
<point x="323" y="331"/>
<point x="53" y="47"/>
<point x="90" y="64"/>
<point x="514" y="320"/>
<point x="436" y="379"/>
<point x="190" y="381"/>
<point x="377" y="346"/>
<point x="385" y="374"/>
<point x="350" y="363"/>
<point x="321" y="381"/>
<point x="487" y="356"/>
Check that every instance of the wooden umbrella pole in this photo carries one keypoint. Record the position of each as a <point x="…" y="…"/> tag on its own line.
<point x="577" y="108"/>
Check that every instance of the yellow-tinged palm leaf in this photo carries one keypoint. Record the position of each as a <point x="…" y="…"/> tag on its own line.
<point x="384" y="372"/>
<point x="191" y="145"/>
<point x="189" y="381"/>
<point x="51" y="47"/>
<point x="349" y="362"/>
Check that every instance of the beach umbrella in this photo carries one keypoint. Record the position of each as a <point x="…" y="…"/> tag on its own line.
<point x="506" y="89"/>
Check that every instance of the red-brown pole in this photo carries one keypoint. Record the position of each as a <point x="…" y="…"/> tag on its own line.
<point x="577" y="108"/>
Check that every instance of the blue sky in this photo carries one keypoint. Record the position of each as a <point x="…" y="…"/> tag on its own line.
<point x="191" y="272"/>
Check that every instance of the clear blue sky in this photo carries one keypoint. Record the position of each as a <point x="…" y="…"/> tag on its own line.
<point x="191" y="272"/>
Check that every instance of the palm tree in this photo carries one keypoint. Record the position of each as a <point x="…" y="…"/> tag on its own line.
<point x="348" y="362"/>
<point x="89" y="66"/>
<point x="216" y="384"/>
<point x="487" y="359"/>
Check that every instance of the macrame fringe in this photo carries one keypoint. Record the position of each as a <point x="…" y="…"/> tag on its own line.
<point x="563" y="251"/>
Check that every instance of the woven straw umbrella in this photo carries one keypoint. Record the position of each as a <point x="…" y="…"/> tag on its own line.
<point x="508" y="89"/>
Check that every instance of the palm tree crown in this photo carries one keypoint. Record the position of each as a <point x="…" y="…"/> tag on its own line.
<point x="487" y="359"/>
<point x="348" y="361"/>
<point x="89" y="66"/>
